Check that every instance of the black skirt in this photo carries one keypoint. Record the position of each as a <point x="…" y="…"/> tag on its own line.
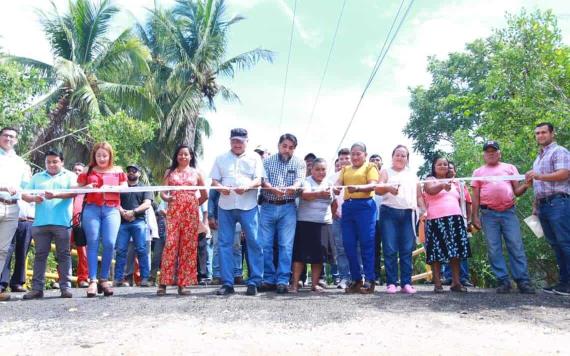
<point x="446" y="238"/>
<point x="311" y="243"/>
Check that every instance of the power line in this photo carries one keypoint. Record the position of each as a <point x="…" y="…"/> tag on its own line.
<point x="287" y="67"/>
<point x="379" y="62"/>
<point x="326" y="66"/>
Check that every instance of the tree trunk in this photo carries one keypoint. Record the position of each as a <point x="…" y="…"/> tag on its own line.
<point x="190" y="131"/>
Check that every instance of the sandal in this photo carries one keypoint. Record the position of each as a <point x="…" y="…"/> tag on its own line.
<point x="104" y="287"/>
<point x="458" y="289"/>
<point x="161" y="289"/>
<point x="317" y="289"/>
<point x="438" y="289"/>
<point x="92" y="289"/>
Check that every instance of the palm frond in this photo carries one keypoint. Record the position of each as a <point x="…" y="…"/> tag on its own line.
<point x="244" y="61"/>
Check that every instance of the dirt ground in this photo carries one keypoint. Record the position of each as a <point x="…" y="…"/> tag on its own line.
<point x="135" y="322"/>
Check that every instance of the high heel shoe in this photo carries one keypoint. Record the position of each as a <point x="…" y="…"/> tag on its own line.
<point x="105" y="287"/>
<point x="92" y="289"/>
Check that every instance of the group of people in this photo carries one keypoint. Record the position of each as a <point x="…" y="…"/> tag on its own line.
<point x="281" y="213"/>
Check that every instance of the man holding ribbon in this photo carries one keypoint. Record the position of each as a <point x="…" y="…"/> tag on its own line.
<point x="550" y="178"/>
<point x="496" y="200"/>
<point x="15" y="174"/>
<point x="237" y="174"/>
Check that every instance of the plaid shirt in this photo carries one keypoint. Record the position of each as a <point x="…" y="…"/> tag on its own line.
<point x="281" y="173"/>
<point x="550" y="159"/>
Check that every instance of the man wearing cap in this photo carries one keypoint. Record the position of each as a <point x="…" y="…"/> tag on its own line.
<point x="285" y="173"/>
<point x="496" y="201"/>
<point x="237" y="174"/>
<point x="15" y="174"/>
<point x="133" y="225"/>
<point x="550" y="177"/>
<point x="262" y="151"/>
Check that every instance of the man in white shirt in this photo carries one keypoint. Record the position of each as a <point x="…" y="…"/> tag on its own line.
<point x="242" y="171"/>
<point x="15" y="175"/>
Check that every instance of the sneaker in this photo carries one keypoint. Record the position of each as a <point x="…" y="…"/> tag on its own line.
<point x="526" y="288"/>
<point x="322" y="283"/>
<point x="342" y="284"/>
<point x="392" y="289"/>
<point x="336" y="281"/>
<point x="504" y="288"/>
<point x="66" y="294"/>
<point x="205" y="282"/>
<point x="55" y="285"/>
<point x="408" y="289"/>
<point x="251" y="290"/>
<point x="467" y="283"/>
<point x="216" y="281"/>
<point x="282" y="289"/>
<point x="17" y="288"/>
<point x="550" y="290"/>
<point x="33" y="294"/>
<point x="145" y="283"/>
<point x="562" y="290"/>
<point x="354" y="287"/>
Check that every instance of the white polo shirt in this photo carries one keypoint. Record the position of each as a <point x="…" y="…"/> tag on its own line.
<point x="237" y="171"/>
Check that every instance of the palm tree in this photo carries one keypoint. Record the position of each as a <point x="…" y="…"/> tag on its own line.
<point x="92" y="74"/>
<point x="189" y="49"/>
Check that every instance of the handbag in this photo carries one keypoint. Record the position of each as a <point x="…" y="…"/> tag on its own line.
<point x="77" y="228"/>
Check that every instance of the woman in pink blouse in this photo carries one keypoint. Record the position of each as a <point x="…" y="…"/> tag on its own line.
<point x="446" y="231"/>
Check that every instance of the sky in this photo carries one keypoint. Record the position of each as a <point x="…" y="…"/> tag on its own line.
<point x="432" y="28"/>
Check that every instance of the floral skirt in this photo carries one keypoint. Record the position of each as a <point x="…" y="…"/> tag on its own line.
<point x="446" y="238"/>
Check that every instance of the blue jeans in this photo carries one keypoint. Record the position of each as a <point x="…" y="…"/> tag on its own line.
<point x="237" y="255"/>
<point x="341" y="269"/>
<point x="359" y="227"/>
<point x="506" y="224"/>
<point x="101" y="223"/>
<point x="277" y="222"/>
<point x="136" y="229"/>
<point x="249" y="221"/>
<point x="464" y="269"/>
<point x="555" y="220"/>
<point x="398" y="239"/>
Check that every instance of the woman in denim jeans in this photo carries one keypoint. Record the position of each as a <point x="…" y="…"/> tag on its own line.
<point x="101" y="218"/>
<point x="400" y="199"/>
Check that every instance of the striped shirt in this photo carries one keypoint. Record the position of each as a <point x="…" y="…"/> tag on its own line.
<point x="551" y="159"/>
<point x="280" y="173"/>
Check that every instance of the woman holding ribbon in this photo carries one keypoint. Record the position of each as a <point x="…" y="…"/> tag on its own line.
<point x="101" y="218"/>
<point x="402" y="195"/>
<point x="446" y="228"/>
<point x="358" y="220"/>
<point x="182" y="220"/>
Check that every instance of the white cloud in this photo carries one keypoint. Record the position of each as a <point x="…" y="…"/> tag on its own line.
<point x="309" y="37"/>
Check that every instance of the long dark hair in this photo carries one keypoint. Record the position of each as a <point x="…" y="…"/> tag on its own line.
<point x="434" y="161"/>
<point x="174" y="163"/>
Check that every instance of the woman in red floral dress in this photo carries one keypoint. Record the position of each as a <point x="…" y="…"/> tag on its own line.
<point x="182" y="219"/>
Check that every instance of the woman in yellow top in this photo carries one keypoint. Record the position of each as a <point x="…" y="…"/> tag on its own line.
<point x="359" y="217"/>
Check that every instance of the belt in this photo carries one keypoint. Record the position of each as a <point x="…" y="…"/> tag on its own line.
<point x="549" y="198"/>
<point x="8" y="201"/>
<point x="279" y="202"/>
<point x="26" y="219"/>
<point x="482" y="206"/>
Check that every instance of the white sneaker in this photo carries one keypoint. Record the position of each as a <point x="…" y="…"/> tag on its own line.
<point x="343" y="284"/>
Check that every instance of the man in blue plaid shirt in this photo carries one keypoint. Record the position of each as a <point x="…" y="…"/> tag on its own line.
<point x="278" y="219"/>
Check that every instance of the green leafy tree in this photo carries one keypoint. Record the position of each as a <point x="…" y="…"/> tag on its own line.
<point x="498" y="88"/>
<point x="93" y="74"/>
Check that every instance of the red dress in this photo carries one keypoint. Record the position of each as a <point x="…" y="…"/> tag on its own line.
<point x="182" y="222"/>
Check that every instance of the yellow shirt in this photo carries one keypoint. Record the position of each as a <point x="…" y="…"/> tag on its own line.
<point x="359" y="176"/>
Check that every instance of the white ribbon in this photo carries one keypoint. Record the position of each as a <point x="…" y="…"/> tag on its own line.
<point x="167" y="188"/>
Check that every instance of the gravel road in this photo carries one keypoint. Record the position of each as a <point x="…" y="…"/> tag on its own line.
<point x="136" y="322"/>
